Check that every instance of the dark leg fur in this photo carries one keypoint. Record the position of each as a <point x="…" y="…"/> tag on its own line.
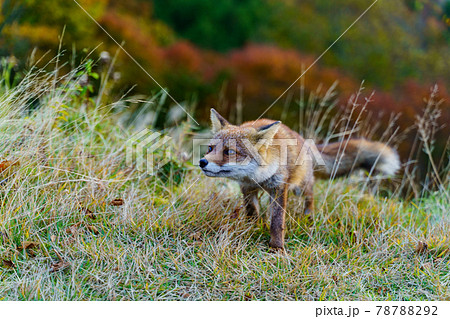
<point x="308" y="195"/>
<point x="251" y="201"/>
<point x="309" y="199"/>
<point x="277" y="224"/>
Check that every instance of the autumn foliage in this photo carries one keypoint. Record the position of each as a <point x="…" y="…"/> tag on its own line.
<point x="278" y="48"/>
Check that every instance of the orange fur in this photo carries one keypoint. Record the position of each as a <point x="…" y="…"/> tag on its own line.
<point x="264" y="154"/>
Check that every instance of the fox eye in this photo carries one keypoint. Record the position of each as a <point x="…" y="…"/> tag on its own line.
<point x="210" y="148"/>
<point x="229" y="152"/>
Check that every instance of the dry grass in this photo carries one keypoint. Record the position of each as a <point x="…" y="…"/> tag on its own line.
<point x="184" y="236"/>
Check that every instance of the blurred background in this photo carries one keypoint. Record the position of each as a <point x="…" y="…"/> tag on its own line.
<point x="239" y="56"/>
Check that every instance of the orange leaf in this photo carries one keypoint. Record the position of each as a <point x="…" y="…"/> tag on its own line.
<point x="73" y="230"/>
<point x="8" y="263"/>
<point x="117" y="202"/>
<point x="93" y="229"/>
<point x="28" y="245"/>
<point x="7" y="164"/>
<point x="60" y="265"/>
<point x="88" y="213"/>
<point x="421" y="247"/>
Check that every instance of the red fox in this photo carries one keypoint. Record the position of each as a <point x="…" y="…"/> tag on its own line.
<point x="253" y="155"/>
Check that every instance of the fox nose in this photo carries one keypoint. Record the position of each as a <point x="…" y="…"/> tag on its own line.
<point x="203" y="162"/>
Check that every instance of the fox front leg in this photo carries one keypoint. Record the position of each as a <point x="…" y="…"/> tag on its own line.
<point x="251" y="201"/>
<point x="277" y="211"/>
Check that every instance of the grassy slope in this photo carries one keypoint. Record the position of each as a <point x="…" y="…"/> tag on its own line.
<point x="189" y="240"/>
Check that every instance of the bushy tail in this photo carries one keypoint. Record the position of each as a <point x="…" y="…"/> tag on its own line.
<point x="342" y="158"/>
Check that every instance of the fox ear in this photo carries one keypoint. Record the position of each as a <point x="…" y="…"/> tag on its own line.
<point x="267" y="132"/>
<point x="217" y="121"/>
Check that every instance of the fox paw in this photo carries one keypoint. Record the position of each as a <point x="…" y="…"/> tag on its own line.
<point x="277" y="250"/>
<point x="276" y="245"/>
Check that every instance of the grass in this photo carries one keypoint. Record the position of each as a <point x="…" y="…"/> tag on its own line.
<point x="180" y="235"/>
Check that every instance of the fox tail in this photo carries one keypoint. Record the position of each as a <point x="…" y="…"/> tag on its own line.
<point x="342" y="158"/>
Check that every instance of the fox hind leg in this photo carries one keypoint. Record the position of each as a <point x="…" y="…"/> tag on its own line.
<point x="309" y="201"/>
<point x="307" y="193"/>
<point x="251" y="204"/>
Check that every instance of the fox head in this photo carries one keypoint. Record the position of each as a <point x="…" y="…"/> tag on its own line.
<point x="237" y="152"/>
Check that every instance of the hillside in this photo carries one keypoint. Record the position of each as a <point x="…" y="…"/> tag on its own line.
<point x="76" y="223"/>
<point x="241" y="56"/>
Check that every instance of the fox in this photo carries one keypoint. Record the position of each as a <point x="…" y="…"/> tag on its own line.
<point x="252" y="155"/>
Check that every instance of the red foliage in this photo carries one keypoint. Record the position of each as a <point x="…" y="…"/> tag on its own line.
<point x="264" y="73"/>
<point x="186" y="57"/>
<point x="138" y="44"/>
<point x="410" y="100"/>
